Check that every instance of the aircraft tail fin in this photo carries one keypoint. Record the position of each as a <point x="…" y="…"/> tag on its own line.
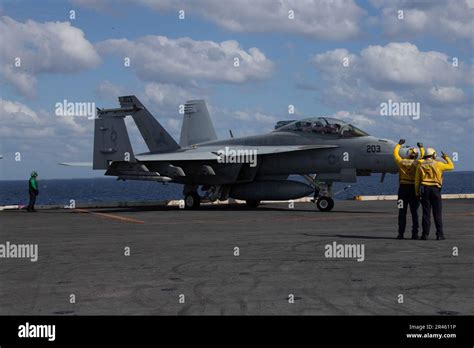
<point x="111" y="141"/>
<point x="197" y="124"/>
<point x="156" y="137"/>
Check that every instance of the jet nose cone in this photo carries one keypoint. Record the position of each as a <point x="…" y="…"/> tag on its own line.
<point x="390" y="162"/>
<point x="390" y="143"/>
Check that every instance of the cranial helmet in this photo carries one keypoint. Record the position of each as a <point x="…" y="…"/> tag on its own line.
<point x="408" y="152"/>
<point x="430" y="152"/>
<point x="412" y="152"/>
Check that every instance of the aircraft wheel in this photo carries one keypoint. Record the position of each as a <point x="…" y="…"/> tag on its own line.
<point x="252" y="203"/>
<point x="325" y="203"/>
<point x="192" y="201"/>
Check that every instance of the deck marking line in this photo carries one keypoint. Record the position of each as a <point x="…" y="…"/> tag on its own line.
<point x="110" y="216"/>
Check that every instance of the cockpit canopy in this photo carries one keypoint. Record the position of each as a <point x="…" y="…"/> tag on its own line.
<point x="320" y="125"/>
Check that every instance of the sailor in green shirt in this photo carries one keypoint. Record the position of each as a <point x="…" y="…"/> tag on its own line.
<point x="33" y="191"/>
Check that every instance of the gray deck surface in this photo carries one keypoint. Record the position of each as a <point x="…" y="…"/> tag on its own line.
<point x="282" y="251"/>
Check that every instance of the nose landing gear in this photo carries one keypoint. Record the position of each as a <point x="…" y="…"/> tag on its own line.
<point x="322" y="196"/>
<point x="322" y="193"/>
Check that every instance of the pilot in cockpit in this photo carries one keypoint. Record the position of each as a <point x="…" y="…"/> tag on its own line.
<point x="318" y="127"/>
<point x="322" y="126"/>
<point x="332" y="128"/>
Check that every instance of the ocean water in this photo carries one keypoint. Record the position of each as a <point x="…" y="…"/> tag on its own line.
<point x="61" y="191"/>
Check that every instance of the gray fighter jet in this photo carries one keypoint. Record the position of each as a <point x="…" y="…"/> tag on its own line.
<point x="252" y="168"/>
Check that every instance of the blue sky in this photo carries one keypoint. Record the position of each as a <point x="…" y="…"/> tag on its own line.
<point x="283" y="62"/>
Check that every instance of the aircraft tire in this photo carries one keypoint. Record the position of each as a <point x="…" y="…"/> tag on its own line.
<point x="192" y="201"/>
<point x="325" y="203"/>
<point x="252" y="203"/>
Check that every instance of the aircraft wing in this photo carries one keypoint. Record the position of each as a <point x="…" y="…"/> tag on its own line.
<point x="207" y="153"/>
<point x="76" y="164"/>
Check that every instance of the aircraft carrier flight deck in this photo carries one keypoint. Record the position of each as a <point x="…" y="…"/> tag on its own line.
<point x="230" y="259"/>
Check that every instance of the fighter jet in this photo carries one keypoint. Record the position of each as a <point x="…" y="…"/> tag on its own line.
<point x="252" y="168"/>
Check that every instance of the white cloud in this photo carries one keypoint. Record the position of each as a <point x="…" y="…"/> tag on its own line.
<point x="50" y="47"/>
<point x="320" y="19"/>
<point x="108" y="90"/>
<point x="184" y="60"/>
<point x="19" y="120"/>
<point x="403" y="63"/>
<point x="397" y="71"/>
<point x="17" y="113"/>
<point x="393" y="65"/>
<point x="447" y="94"/>
<point x="23" y="82"/>
<point x="451" y="19"/>
<point x="168" y="97"/>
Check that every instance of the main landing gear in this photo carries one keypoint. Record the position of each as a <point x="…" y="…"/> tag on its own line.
<point x="192" y="200"/>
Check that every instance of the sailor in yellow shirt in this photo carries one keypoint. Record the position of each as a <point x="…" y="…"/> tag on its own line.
<point x="428" y="184"/>
<point x="406" y="190"/>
